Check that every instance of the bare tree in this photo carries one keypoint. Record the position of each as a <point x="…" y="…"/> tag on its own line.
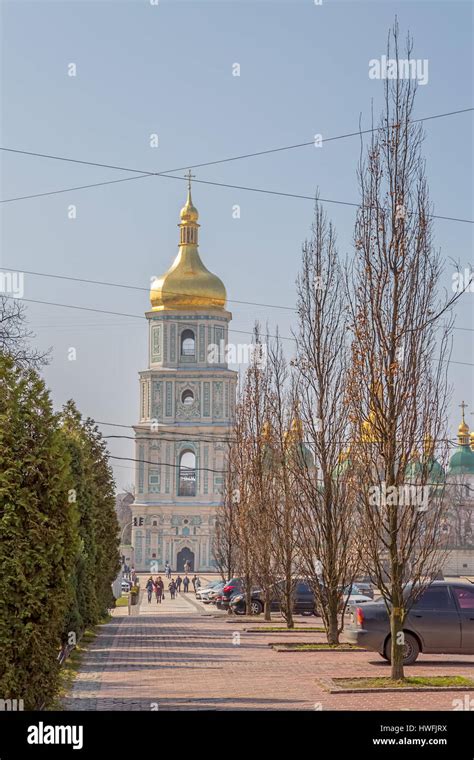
<point x="252" y="522"/>
<point x="327" y="528"/>
<point x="15" y="336"/>
<point x="225" y="544"/>
<point x="284" y="426"/>
<point x="400" y="353"/>
<point x="242" y="494"/>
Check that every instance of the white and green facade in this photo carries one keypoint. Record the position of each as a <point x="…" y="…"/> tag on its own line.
<point x="187" y="398"/>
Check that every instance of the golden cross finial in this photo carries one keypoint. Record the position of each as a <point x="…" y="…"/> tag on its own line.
<point x="463" y="406"/>
<point x="189" y="177"/>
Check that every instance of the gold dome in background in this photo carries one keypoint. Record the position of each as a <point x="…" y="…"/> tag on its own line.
<point x="463" y="429"/>
<point x="188" y="284"/>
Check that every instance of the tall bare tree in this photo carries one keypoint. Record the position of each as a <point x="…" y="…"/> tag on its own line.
<point x="225" y="544"/>
<point x="327" y="525"/>
<point x="252" y="476"/>
<point x="284" y="426"/>
<point x="400" y="353"/>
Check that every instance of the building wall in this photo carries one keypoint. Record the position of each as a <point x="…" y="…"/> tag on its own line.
<point x="458" y="562"/>
<point x="165" y="521"/>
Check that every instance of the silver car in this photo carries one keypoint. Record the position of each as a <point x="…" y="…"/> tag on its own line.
<point x="440" y="622"/>
<point x="203" y="593"/>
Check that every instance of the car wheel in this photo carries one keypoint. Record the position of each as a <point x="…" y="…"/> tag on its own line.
<point x="306" y="612"/>
<point x="382" y="654"/>
<point x="411" y="649"/>
<point x="256" y="608"/>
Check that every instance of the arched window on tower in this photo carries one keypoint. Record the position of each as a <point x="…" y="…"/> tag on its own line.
<point x="187" y="343"/>
<point x="187" y="474"/>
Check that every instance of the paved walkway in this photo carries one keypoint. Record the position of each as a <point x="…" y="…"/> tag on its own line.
<point x="178" y="656"/>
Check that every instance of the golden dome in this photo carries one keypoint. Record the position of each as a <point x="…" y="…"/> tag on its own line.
<point x="189" y="212"/>
<point x="295" y="431"/>
<point x="463" y="429"/>
<point x="188" y="284"/>
<point x="428" y="445"/>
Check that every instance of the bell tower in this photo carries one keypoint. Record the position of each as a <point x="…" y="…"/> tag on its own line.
<point x="187" y="404"/>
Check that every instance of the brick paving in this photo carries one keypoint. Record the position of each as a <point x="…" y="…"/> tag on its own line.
<point x="176" y="656"/>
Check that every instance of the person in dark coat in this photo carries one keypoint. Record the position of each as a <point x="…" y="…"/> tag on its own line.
<point x="185" y="584"/>
<point x="172" y="589"/>
<point x="149" y="588"/>
<point x="179" y="581"/>
<point x="159" y="587"/>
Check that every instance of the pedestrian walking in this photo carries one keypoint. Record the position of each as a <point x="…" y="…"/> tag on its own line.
<point x="172" y="589"/>
<point x="149" y="588"/>
<point x="185" y="584"/>
<point x="179" y="581"/>
<point x="159" y="587"/>
<point x="193" y="581"/>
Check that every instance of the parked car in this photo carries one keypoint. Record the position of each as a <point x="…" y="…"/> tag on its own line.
<point x="203" y="593"/>
<point x="353" y="595"/>
<point x="366" y="589"/>
<point x="440" y="622"/>
<point x="126" y="586"/>
<point x="215" y="592"/>
<point x="232" y="587"/>
<point x="303" y="600"/>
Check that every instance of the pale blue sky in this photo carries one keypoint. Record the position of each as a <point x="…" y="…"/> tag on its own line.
<point x="167" y="69"/>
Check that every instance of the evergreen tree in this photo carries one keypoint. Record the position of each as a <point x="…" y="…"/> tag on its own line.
<point x="106" y="523"/>
<point x="38" y="537"/>
<point x="84" y="610"/>
<point x="97" y="562"/>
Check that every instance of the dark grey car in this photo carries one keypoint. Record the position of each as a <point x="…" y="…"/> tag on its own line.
<point x="440" y="622"/>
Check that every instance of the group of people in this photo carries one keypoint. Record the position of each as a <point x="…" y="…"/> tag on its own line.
<point x="157" y="586"/>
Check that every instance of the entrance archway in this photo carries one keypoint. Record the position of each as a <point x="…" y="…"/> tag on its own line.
<point x="185" y="555"/>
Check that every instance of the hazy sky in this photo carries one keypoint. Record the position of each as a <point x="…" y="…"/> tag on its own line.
<point x="168" y="69"/>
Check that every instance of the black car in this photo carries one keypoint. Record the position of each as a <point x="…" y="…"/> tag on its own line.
<point x="440" y="621"/>
<point x="232" y="587"/>
<point x="303" y="603"/>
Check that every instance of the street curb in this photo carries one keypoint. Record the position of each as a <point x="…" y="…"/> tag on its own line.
<point x="283" y="630"/>
<point x="283" y="647"/>
<point x="328" y="684"/>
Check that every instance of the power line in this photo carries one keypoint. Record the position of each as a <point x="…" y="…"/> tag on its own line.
<point x="310" y="198"/>
<point x="147" y="290"/>
<point x="123" y="314"/>
<point x="145" y="172"/>
<point x="168" y="172"/>
<point x="343" y="443"/>
<point x="229" y="186"/>
<point x="167" y="464"/>
<point x="70" y="189"/>
<point x="452" y="442"/>
<point x="136" y="287"/>
<point x="177" y="439"/>
<point x="138" y="316"/>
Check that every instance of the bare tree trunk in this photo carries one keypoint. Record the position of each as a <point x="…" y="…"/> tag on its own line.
<point x="267" y="609"/>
